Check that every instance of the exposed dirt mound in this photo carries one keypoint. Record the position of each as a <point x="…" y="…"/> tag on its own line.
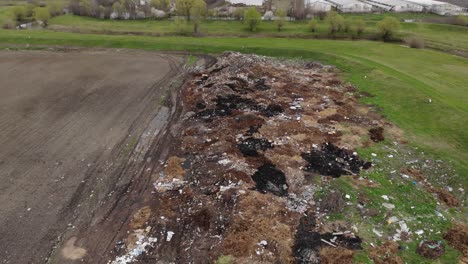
<point x="376" y="134"/>
<point x="331" y="255"/>
<point x="386" y="254"/>
<point x="457" y="238"/>
<point x="445" y="196"/>
<point x="431" y="249"/>
<point x="329" y="160"/>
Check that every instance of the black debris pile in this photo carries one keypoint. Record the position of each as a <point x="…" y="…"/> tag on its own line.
<point x="249" y="147"/>
<point x="270" y="179"/>
<point x="308" y="242"/>
<point x="272" y="110"/>
<point x="330" y="160"/>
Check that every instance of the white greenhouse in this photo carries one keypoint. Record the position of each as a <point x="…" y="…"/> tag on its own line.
<point x="319" y="6"/>
<point x="351" y="6"/>
<point x="396" y="5"/>
<point x="438" y="7"/>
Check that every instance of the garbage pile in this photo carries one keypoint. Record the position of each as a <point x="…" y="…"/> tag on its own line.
<point x="254" y="135"/>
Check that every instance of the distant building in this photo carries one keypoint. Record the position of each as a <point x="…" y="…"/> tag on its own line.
<point x="438" y="7"/>
<point x="395" y="5"/>
<point x="351" y="6"/>
<point x="316" y="6"/>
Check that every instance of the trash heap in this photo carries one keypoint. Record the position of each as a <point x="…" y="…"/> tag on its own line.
<point x="255" y="136"/>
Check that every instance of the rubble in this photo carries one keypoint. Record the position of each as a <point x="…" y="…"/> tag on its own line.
<point x="256" y="138"/>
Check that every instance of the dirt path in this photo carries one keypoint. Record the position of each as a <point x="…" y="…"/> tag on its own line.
<point x="70" y="124"/>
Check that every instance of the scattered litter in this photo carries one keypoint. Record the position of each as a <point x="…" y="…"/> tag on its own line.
<point x="388" y="206"/>
<point x="385" y="197"/>
<point x="169" y="236"/>
<point x="378" y="233"/>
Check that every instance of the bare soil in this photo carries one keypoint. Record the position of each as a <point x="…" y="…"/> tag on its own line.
<point x="74" y="127"/>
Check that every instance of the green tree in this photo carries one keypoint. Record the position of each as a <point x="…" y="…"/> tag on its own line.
<point x="388" y="27"/>
<point x="461" y="20"/>
<point x="359" y="26"/>
<point x="118" y="9"/>
<point x="18" y="13"/>
<point x="197" y="13"/>
<point x="280" y="19"/>
<point x="42" y="14"/>
<point x="184" y="8"/>
<point x="55" y="8"/>
<point x="312" y="25"/>
<point x="347" y="25"/>
<point x="253" y="18"/>
<point x="335" y="21"/>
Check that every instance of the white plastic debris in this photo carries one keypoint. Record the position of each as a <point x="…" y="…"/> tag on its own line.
<point x="385" y="197"/>
<point x="169" y="236"/>
<point x="374" y="155"/>
<point x="392" y="219"/>
<point x="378" y="233"/>
<point x="388" y="205"/>
<point x="419" y="232"/>
<point x="348" y="196"/>
<point x="263" y="243"/>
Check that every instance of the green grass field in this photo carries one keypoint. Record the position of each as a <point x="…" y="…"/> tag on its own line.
<point x="401" y="79"/>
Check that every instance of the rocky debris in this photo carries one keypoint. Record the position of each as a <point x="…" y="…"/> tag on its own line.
<point x="330" y="160"/>
<point x="431" y="249"/>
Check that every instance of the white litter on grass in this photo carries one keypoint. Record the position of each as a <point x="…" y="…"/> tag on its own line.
<point x="390" y="156"/>
<point x="348" y="196"/>
<point x="402" y="230"/>
<point x="140" y="247"/>
<point x="374" y="155"/>
<point x="388" y="206"/>
<point x="419" y="232"/>
<point x="392" y="219"/>
<point x="385" y="197"/>
<point x="169" y="236"/>
<point x="378" y="233"/>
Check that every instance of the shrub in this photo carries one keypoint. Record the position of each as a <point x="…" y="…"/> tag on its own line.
<point x="360" y="26"/>
<point x="461" y="20"/>
<point x="42" y="14"/>
<point x="280" y="17"/>
<point x="312" y="25"/>
<point x="55" y="8"/>
<point x="18" y="13"/>
<point x="388" y="27"/>
<point x="335" y="21"/>
<point x="415" y="42"/>
<point x="253" y="18"/>
<point x="347" y="25"/>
